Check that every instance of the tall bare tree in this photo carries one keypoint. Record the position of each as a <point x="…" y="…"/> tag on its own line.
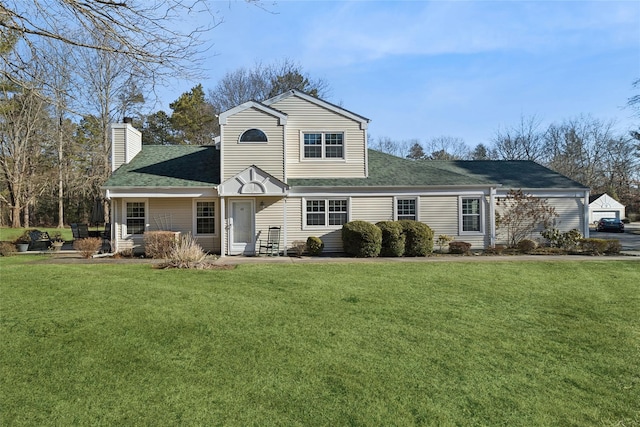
<point x="447" y="148"/>
<point x="525" y="141"/>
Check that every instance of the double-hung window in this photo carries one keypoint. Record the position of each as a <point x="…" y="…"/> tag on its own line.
<point x="323" y="145"/>
<point x="205" y="217"/>
<point x="406" y="209"/>
<point x="326" y="212"/>
<point x="471" y="214"/>
<point x="135" y="217"/>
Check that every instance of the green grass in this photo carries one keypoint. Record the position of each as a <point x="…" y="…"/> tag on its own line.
<point x="505" y="343"/>
<point x="10" y="234"/>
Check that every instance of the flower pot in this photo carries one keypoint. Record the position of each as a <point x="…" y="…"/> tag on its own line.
<point x="56" y="246"/>
<point x="22" y="247"/>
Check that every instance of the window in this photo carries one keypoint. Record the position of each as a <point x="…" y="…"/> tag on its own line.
<point x="406" y="209"/>
<point x="205" y="218"/>
<point x="323" y="145"/>
<point x="135" y="217"/>
<point x="326" y="212"/>
<point x="471" y="209"/>
<point x="253" y="135"/>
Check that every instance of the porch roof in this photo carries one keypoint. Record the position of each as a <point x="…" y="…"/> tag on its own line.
<point x="169" y="166"/>
<point x="386" y="170"/>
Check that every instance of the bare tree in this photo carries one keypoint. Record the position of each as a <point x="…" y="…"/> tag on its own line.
<point x="262" y="82"/>
<point x="395" y="148"/>
<point x="524" y="141"/>
<point x="447" y="148"/>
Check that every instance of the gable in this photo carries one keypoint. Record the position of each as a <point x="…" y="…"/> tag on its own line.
<point x="253" y="181"/>
<point x="604" y="201"/>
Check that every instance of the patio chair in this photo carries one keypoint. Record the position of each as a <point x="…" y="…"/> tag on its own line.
<point x="270" y="246"/>
<point x="106" y="238"/>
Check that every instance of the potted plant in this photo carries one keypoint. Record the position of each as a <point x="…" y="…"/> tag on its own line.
<point x="57" y="242"/>
<point x="22" y="242"/>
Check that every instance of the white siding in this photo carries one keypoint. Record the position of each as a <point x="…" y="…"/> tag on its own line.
<point x="307" y="117"/>
<point x="267" y="156"/>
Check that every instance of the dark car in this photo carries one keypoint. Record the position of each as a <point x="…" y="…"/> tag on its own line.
<point x="610" y="224"/>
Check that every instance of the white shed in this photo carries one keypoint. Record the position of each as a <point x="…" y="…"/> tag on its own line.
<point x="604" y="206"/>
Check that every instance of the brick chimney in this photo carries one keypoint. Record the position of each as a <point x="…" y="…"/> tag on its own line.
<point x="126" y="143"/>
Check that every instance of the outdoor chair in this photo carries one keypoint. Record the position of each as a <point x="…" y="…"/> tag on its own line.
<point x="39" y="240"/>
<point x="270" y="246"/>
<point x="79" y="231"/>
<point x="106" y="238"/>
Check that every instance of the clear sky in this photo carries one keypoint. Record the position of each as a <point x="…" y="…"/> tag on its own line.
<point x="422" y="69"/>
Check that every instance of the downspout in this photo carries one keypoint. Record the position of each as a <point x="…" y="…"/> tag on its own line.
<point x="492" y="217"/>
<point x="284" y="225"/>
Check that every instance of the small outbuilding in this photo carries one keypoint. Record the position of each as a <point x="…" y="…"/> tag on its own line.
<point x="604" y="206"/>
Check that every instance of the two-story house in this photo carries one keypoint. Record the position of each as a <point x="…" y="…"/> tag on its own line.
<point x="303" y="164"/>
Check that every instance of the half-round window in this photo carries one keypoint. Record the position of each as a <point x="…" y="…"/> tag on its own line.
<point x="253" y="135"/>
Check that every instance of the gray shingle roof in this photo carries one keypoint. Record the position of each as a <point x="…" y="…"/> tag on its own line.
<point x="390" y="171"/>
<point x="170" y="166"/>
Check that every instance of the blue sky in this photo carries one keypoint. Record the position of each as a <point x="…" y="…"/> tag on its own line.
<point x="422" y="69"/>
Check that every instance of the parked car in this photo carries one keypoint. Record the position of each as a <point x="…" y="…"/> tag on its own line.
<point x="610" y="224"/>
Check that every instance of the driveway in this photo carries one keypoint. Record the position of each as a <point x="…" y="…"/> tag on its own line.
<point x="630" y="239"/>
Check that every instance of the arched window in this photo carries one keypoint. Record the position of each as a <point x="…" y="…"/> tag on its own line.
<point x="253" y="135"/>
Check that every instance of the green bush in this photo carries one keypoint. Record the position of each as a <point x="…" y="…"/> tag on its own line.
<point x="314" y="246"/>
<point x="393" y="239"/>
<point x="526" y="246"/>
<point x="457" y="247"/>
<point x="361" y="239"/>
<point x="496" y="250"/>
<point x="613" y="246"/>
<point x="7" y="249"/>
<point x="593" y="246"/>
<point x="557" y="239"/>
<point x="418" y="238"/>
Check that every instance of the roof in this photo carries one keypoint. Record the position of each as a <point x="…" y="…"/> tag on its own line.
<point x="386" y="170"/>
<point x="169" y="166"/>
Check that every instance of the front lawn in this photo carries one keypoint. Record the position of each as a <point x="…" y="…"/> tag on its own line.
<point x="487" y="343"/>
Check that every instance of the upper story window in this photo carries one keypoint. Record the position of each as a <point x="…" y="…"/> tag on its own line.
<point x="253" y="135"/>
<point x="323" y="145"/>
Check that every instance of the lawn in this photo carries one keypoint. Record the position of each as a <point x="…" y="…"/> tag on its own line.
<point x="504" y="343"/>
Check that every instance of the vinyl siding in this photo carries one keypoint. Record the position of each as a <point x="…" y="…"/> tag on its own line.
<point x="271" y="216"/>
<point x="118" y="136"/>
<point x="372" y="209"/>
<point x="304" y="116"/>
<point x="239" y="156"/>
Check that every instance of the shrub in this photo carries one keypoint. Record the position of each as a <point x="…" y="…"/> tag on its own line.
<point x="418" y="238"/>
<point x="158" y="244"/>
<point x="87" y="246"/>
<point x="593" y="246"/>
<point x="457" y="247"/>
<point x="298" y="247"/>
<point x="361" y="239"/>
<point x="186" y="253"/>
<point x="496" y="250"/>
<point x="7" y="249"/>
<point x="443" y="241"/>
<point x="526" y="246"/>
<point x="613" y="246"/>
<point x="393" y="240"/>
<point x="567" y="240"/>
<point x="314" y="246"/>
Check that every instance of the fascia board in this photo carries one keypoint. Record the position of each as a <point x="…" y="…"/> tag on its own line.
<point x="222" y="117"/>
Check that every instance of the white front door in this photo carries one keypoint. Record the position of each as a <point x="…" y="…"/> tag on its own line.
<point x="241" y="230"/>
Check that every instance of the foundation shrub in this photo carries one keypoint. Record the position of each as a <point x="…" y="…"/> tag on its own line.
<point x="526" y="246"/>
<point x="186" y="253"/>
<point x="87" y="246"/>
<point x="7" y="249"/>
<point x="361" y="239"/>
<point x="314" y="245"/>
<point x="593" y="246"/>
<point x="459" y="248"/>
<point x="613" y="246"/>
<point x="557" y="239"/>
<point x="442" y="241"/>
<point x="496" y="250"/>
<point x="159" y="244"/>
<point x="418" y="238"/>
<point x="393" y="239"/>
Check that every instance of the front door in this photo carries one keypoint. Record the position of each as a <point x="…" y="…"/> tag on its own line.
<point x="241" y="233"/>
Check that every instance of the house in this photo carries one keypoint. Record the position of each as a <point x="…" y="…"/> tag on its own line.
<point x="303" y="164"/>
<point x="604" y="206"/>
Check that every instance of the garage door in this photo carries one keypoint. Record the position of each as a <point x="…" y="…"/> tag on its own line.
<point x="604" y="214"/>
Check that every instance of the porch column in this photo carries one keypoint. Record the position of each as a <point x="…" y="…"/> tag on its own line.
<point x="492" y="217"/>
<point x="223" y="228"/>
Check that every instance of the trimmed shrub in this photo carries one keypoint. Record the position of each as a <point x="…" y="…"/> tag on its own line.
<point x="159" y="244"/>
<point x="298" y="247"/>
<point x="557" y="239"/>
<point x="393" y="239"/>
<point x="418" y="238"/>
<point x="87" y="246"/>
<point x="460" y="248"/>
<point x="526" y="246"/>
<point x="613" y="246"/>
<point x="7" y="249"/>
<point x="593" y="246"/>
<point x="442" y="241"/>
<point x="361" y="239"/>
<point x="314" y="245"/>
<point x="496" y="250"/>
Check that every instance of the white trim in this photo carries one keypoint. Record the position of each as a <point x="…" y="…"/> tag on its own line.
<point x="417" y="206"/>
<point x="251" y="244"/>
<point x="492" y="218"/>
<point x="125" y="232"/>
<point x="216" y="223"/>
<point x="483" y="202"/>
<point x="147" y="193"/>
<point x="326" y="225"/>
<point x="222" y="117"/>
